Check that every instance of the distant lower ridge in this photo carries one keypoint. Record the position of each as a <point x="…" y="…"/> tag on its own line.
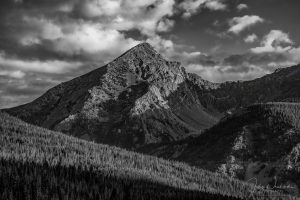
<point x="260" y="144"/>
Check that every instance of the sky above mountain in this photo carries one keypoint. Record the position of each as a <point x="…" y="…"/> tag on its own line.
<point x="45" y="42"/>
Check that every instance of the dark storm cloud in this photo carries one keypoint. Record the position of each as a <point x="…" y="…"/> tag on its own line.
<point x="207" y="61"/>
<point x="73" y="30"/>
<point x="200" y="58"/>
<point x="255" y="59"/>
<point x="13" y="28"/>
<point x="12" y="90"/>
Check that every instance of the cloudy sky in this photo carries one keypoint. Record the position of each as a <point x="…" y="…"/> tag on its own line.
<point x="45" y="42"/>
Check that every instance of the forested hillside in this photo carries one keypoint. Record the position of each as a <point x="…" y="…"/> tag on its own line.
<point x="285" y="112"/>
<point x="36" y="163"/>
<point x="259" y="143"/>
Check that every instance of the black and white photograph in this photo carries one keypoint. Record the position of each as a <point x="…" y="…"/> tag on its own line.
<point x="149" y="99"/>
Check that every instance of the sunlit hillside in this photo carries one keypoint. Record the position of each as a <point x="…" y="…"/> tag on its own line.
<point x="40" y="164"/>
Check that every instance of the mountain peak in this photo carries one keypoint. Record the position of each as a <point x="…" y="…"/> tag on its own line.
<point x="136" y="99"/>
<point x="139" y="55"/>
<point x="142" y="47"/>
<point x="144" y="44"/>
<point x="143" y="62"/>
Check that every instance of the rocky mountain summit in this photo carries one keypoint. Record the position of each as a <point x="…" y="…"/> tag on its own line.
<point x="139" y="98"/>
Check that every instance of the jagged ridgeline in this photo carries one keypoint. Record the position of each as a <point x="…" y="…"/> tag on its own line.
<point x="139" y="98"/>
<point x="36" y="163"/>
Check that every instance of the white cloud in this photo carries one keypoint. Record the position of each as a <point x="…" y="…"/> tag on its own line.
<point x="173" y="51"/>
<point x="51" y="66"/>
<point x="215" y="5"/>
<point x="276" y="50"/>
<point x="192" y="54"/>
<point x="165" y="25"/>
<point x="273" y="42"/>
<point x="238" y="24"/>
<point x="95" y="29"/>
<point x="77" y="38"/>
<point x="120" y="15"/>
<point x="91" y="39"/>
<point x="28" y="40"/>
<point x="126" y="14"/>
<point x="191" y="7"/>
<point x="95" y="8"/>
<point x="166" y="47"/>
<point x="220" y="73"/>
<point x="37" y="29"/>
<point x="278" y="42"/>
<point x="295" y="55"/>
<point x="13" y="74"/>
<point x="251" y="38"/>
<point x="242" y="6"/>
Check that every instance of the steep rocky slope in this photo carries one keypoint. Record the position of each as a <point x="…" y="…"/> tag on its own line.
<point x="260" y="144"/>
<point x="138" y="98"/>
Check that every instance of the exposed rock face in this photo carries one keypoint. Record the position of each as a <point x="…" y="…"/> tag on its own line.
<point x="138" y="98"/>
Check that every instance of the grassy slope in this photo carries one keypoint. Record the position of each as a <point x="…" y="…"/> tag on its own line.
<point x="36" y="162"/>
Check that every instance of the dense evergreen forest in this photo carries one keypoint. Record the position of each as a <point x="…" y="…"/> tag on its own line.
<point x="284" y="112"/>
<point x="36" y="163"/>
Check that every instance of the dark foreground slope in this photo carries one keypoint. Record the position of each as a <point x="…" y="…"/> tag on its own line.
<point x="36" y="163"/>
<point x="138" y="98"/>
<point x="260" y="143"/>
